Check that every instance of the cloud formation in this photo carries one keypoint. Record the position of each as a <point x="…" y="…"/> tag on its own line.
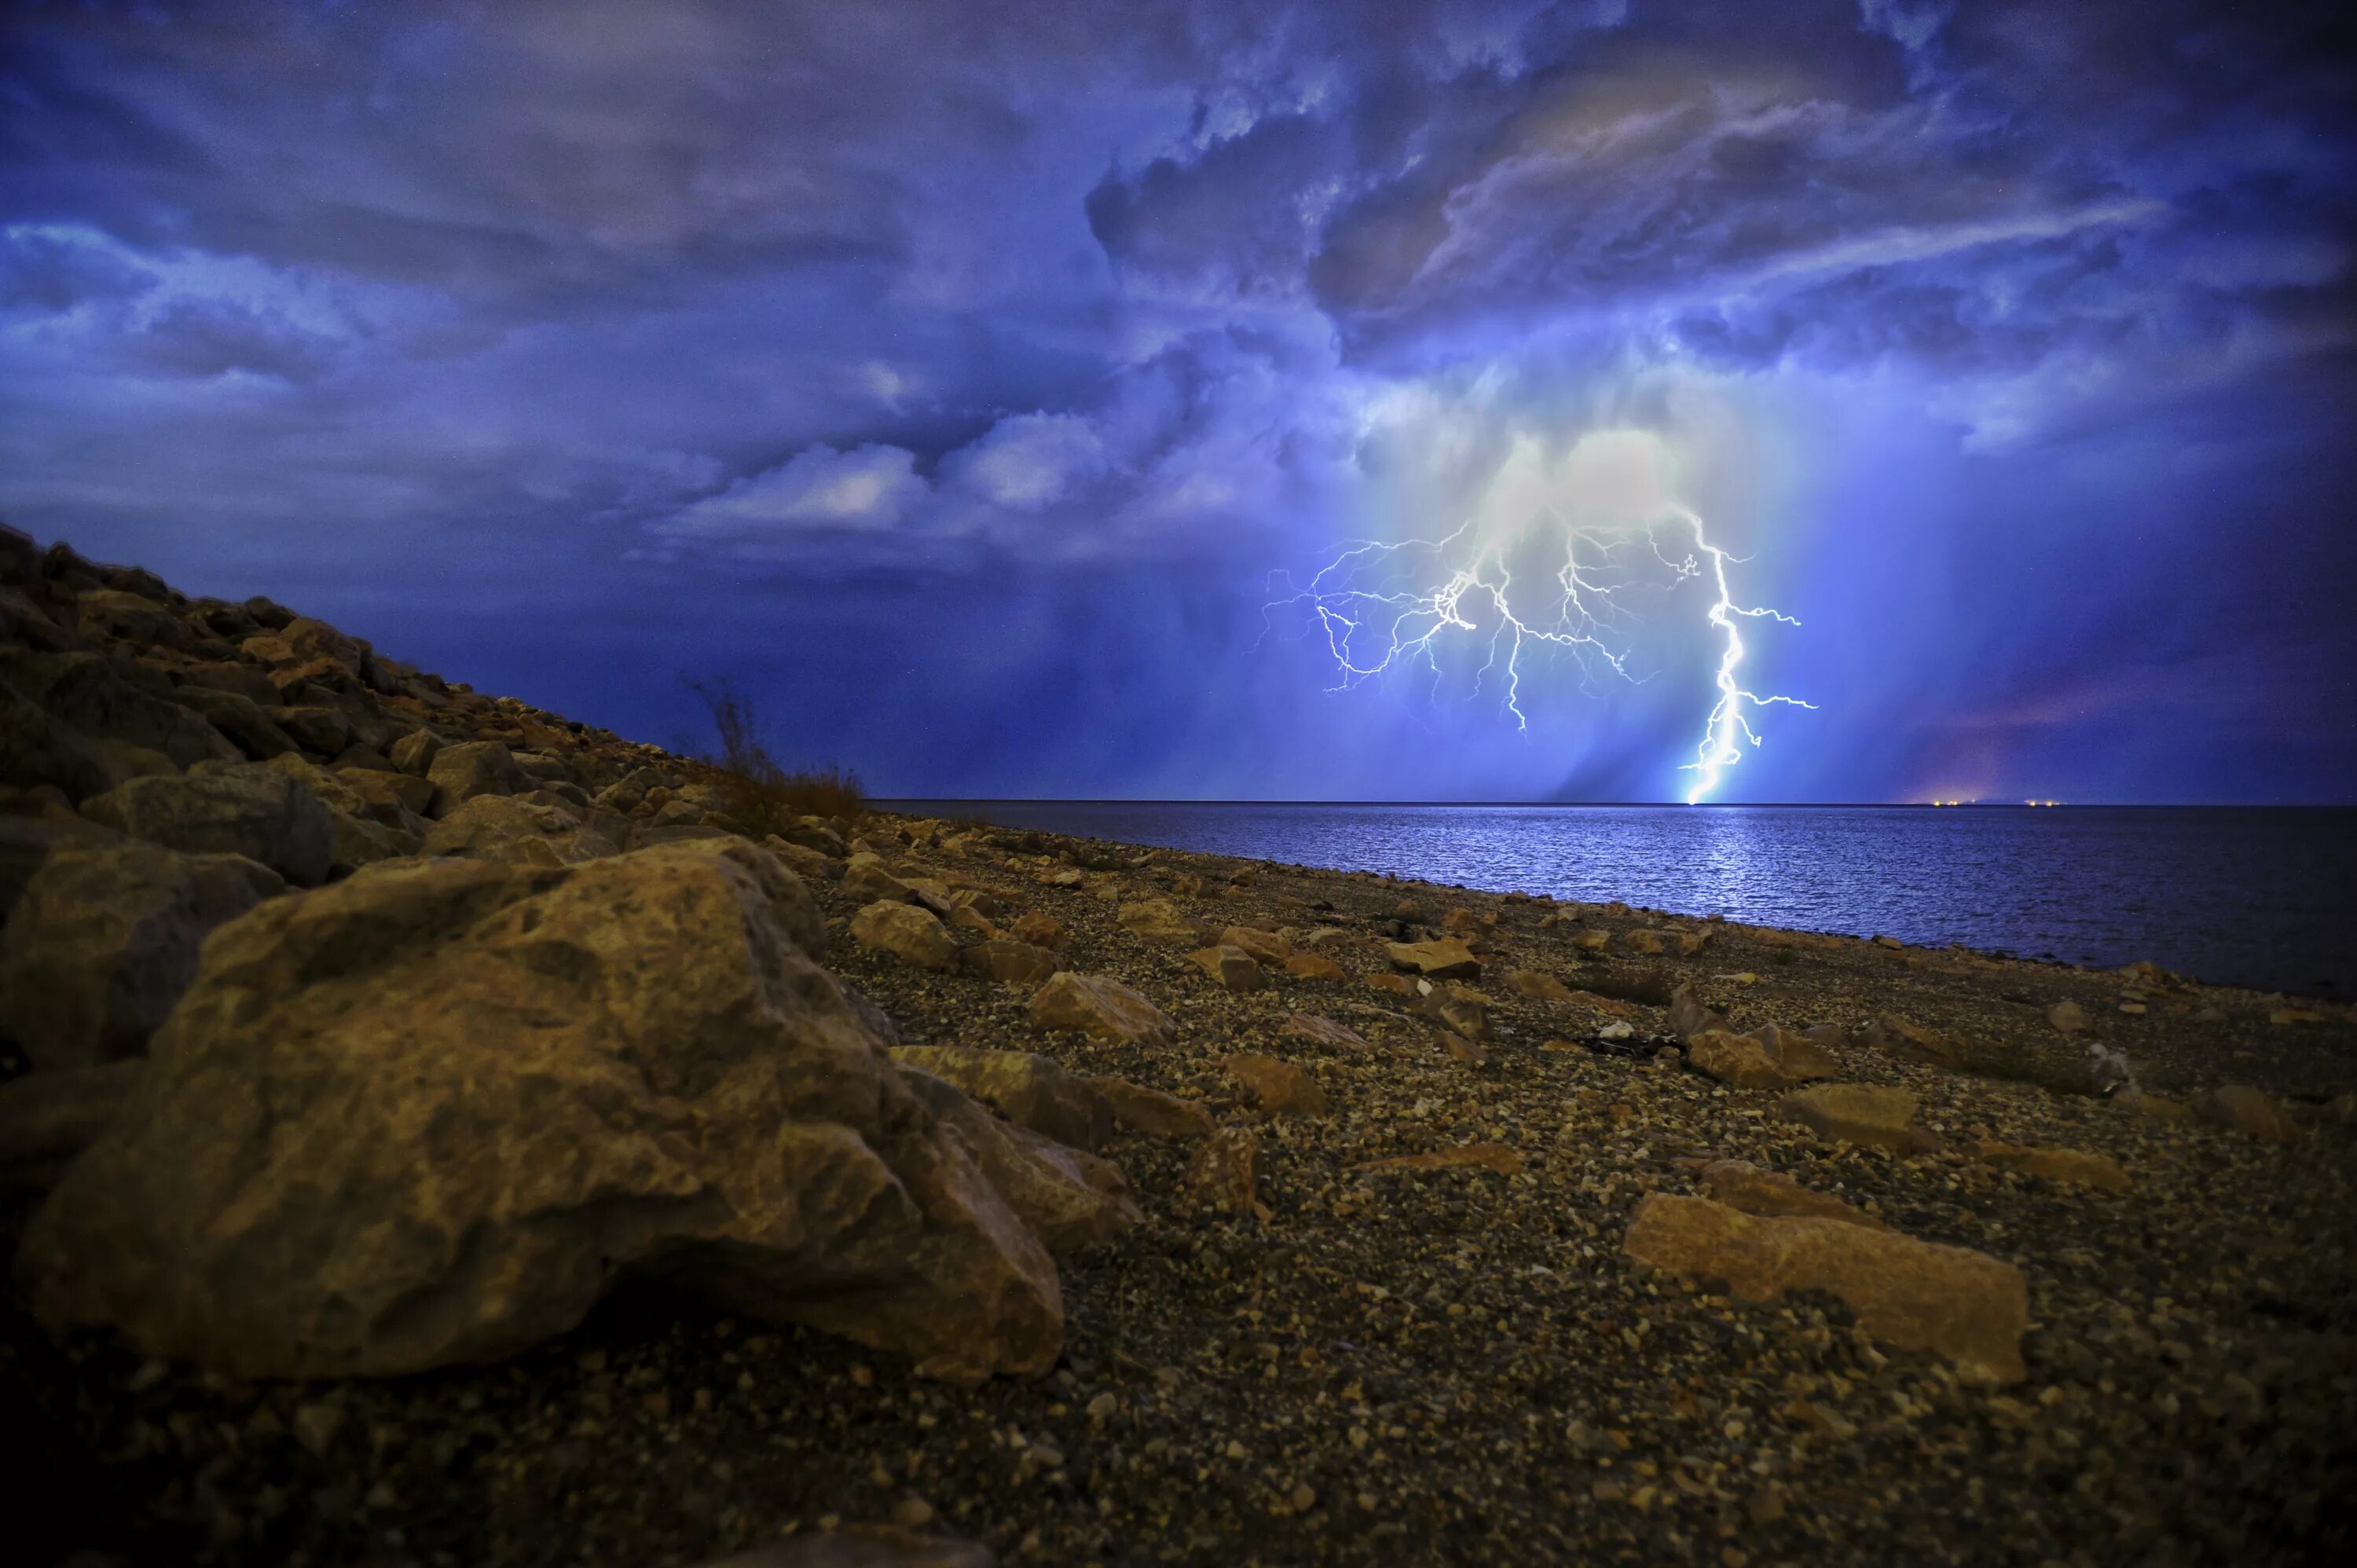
<point x="1044" y="335"/>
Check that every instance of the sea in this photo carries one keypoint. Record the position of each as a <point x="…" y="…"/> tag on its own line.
<point x="2234" y="895"/>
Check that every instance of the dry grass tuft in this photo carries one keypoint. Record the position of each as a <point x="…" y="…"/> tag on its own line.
<point x="756" y="791"/>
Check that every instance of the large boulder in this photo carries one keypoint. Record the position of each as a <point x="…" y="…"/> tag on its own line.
<point x="909" y="933"/>
<point x="1862" y="1113"/>
<point x="1028" y="1088"/>
<point x="248" y="727"/>
<point x="1099" y="1008"/>
<point x="427" y="1115"/>
<point x="514" y="832"/>
<point x="35" y="749"/>
<point x="474" y="768"/>
<point x="1919" y="1295"/>
<point x="1445" y="958"/>
<point x="234" y="807"/>
<point x="48" y="1118"/>
<point x="104" y="940"/>
<point x="107" y="699"/>
<point x="1068" y="1197"/>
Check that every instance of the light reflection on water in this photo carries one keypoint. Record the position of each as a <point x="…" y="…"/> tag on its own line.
<point x="2240" y="896"/>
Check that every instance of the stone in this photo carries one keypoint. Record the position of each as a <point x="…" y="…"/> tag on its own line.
<point x="1232" y="967"/>
<point x="1008" y="961"/>
<point x="48" y="1118"/>
<point x="1159" y="920"/>
<point x="1029" y="1090"/>
<point x="413" y="753"/>
<point x="1896" y="1036"/>
<point x="393" y="798"/>
<point x="2068" y="1018"/>
<point x="473" y="768"/>
<point x="1861" y="1113"/>
<point x="249" y="728"/>
<point x="867" y="878"/>
<point x="1591" y="941"/>
<point x="1224" y="1171"/>
<point x="2251" y="1112"/>
<point x="1099" y="1008"/>
<point x="1313" y="966"/>
<point x="102" y="698"/>
<point x="1642" y="943"/>
<point x="1279" y="1087"/>
<point x="430" y="1115"/>
<point x="1538" y="986"/>
<point x="512" y="831"/>
<point x="104" y="940"/>
<point x="1459" y="1050"/>
<point x="912" y="935"/>
<point x="1040" y="930"/>
<point x="26" y="842"/>
<point x="2154" y="1106"/>
<point x="1396" y="984"/>
<point x="1919" y="1295"/>
<point x="37" y="751"/>
<point x="1264" y="946"/>
<point x="1067" y="1196"/>
<point x="2055" y="1165"/>
<point x="1736" y="1061"/>
<point x="234" y="807"/>
<point x="1773" y="1195"/>
<point x="1326" y="1032"/>
<point x="319" y="730"/>
<point x="1688" y="1017"/>
<point x="1798" y="1057"/>
<point x="1457" y="1012"/>
<point x="1445" y="959"/>
<point x="1152" y="1112"/>
<point x="1464" y="1156"/>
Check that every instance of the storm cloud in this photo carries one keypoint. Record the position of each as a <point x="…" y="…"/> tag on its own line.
<point x="978" y="383"/>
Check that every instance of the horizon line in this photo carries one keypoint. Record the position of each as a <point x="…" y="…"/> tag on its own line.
<point x="1678" y="805"/>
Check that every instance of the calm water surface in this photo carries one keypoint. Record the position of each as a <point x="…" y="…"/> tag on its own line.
<point x="2244" y="897"/>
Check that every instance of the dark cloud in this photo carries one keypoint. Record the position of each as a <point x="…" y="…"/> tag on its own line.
<point x="515" y="324"/>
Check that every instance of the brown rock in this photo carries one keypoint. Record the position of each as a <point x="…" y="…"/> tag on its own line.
<point x="1773" y="1195"/>
<point x="1859" y="1114"/>
<point x="1446" y="958"/>
<point x="1591" y="941"/>
<point x="104" y="938"/>
<point x="1151" y="1112"/>
<point x="473" y="768"/>
<point x="867" y="878"/>
<point x="1100" y="1008"/>
<point x="1397" y="984"/>
<point x="1041" y="930"/>
<point x="1961" y="1305"/>
<point x="1538" y="986"/>
<point x="2055" y="1165"/>
<point x="47" y="1118"/>
<point x="1326" y="1032"/>
<point x="1224" y="1172"/>
<point x="413" y="753"/>
<point x="1159" y="920"/>
<point x="506" y="830"/>
<point x="1230" y="966"/>
<point x="1474" y="1156"/>
<point x="1008" y="961"/>
<point x="1909" y="1041"/>
<point x="426" y="1115"/>
<point x="1737" y="1060"/>
<point x="2251" y="1112"/>
<point x="1280" y="1088"/>
<point x="1314" y="966"/>
<point x="1029" y="1090"/>
<point x="1643" y="944"/>
<point x="1798" y="1057"/>
<point x="2069" y="1017"/>
<point x="1457" y="1012"/>
<point x="1460" y="1050"/>
<point x="912" y="935"/>
<point x="1688" y="1017"/>
<point x="1068" y="1197"/>
<point x="227" y="808"/>
<point x="1264" y="946"/>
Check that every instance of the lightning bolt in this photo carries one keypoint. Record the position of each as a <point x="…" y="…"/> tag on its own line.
<point x="1387" y="607"/>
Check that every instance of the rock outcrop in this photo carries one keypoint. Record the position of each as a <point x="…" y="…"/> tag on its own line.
<point x="430" y="1113"/>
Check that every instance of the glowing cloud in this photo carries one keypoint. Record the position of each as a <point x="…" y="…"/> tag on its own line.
<point x="1585" y="530"/>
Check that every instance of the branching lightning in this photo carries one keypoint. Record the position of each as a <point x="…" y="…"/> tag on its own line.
<point x="1387" y="607"/>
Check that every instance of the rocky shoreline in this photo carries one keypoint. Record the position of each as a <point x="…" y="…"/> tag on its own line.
<point x="436" y="1132"/>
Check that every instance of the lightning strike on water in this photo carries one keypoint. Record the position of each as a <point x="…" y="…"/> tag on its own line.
<point x="1387" y="607"/>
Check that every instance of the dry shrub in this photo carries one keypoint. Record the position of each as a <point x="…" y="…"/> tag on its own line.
<point x="756" y="791"/>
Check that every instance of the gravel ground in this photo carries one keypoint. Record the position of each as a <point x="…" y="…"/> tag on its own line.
<point x="1441" y="1366"/>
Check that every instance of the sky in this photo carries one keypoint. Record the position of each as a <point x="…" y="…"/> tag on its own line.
<point x="1379" y="400"/>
